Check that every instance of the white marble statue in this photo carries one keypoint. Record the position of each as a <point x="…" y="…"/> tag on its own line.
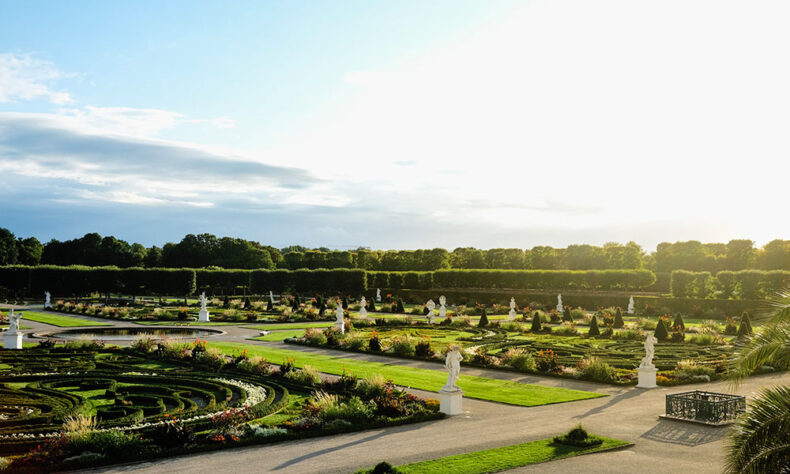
<point x="378" y="295"/>
<point x="47" y="300"/>
<point x="363" y="311"/>
<point x="203" y="314"/>
<point x="203" y="301"/>
<point x="512" y="313"/>
<point x="560" y="308"/>
<point x="430" y="306"/>
<point x="339" y="323"/>
<point x="631" y="305"/>
<point x="647" y="361"/>
<point x="13" y="322"/>
<point x="453" y="365"/>
<point x="271" y="296"/>
<point x="442" y="307"/>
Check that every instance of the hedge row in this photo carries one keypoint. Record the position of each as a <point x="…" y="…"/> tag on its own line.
<point x="743" y="284"/>
<point x="322" y="280"/>
<point x="539" y="279"/>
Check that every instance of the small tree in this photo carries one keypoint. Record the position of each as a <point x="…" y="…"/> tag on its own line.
<point x="679" y="322"/>
<point x="344" y="302"/>
<point x="745" y="329"/>
<point x="662" y="333"/>
<point x="226" y="302"/>
<point x="247" y="302"/>
<point x="372" y="305"/>
<point x="566" y="315"/>
<point x="483" y="319"/>
<point x="536" y="325"/>
<point x="400" y="308"/>
<point x="618" y="318"/>
<point x="270" y="306"/>
<point x="594" y="331"/>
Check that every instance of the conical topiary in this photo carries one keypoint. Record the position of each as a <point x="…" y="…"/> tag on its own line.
<point x="594" y="331"/>
<point x="270" y="306"/>
<point x="344" y="302"/>
<point x="372" y="305"/>
<point x="536" y="324"/>
<point x="295" y="304"/>
<point x="662" y="333"/>
<point x="618" y="318"/>
<point x="247" y="303"/>
<point x="745" y="329"/>
<point x="400" y="308"/>
<point x="566" y="315"/>
<point x="226" y="302"/>
<point x="483" y="319"/>
<point x="679" y="322"/>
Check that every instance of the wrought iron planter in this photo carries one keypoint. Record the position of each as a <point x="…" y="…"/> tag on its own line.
<point x="709" y="408"/>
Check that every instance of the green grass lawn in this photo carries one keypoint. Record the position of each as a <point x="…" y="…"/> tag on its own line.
<point x="508" y="457"/>
<point x="280" y="335"/>
<point x="59" y="320"/>
<point x="276" y="326"/>
<point x="176" y="322"/>
<point x="423" y="379"/>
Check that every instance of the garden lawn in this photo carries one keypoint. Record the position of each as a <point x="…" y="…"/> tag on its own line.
<point x="280" y="335"/>
<point x="59" y="320"/>
<point x="502" y="391"/>
<point x="508" y="457"/>
<point x="273" y="327"/>
<point x="176" y="322"/>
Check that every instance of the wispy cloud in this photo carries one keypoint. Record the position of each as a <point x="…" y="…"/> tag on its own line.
<point x="25" y="77"/>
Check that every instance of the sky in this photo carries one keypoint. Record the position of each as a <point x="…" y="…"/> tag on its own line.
<point x="405" y="124"/>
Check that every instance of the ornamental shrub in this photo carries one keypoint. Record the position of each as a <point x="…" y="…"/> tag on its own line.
<point x="226" y="302"/>
<point x="579" y="437"/>
<point x="483" y="319"/>
<point x="247" y="303"/>
<point x="594" y="331"/>
<point x="679" y="322"/>
<point x="546" y="360"/>
<point x="536" y="325"/>
<point x="372" y="305"/>
<point x="662" y="334"/>
<point x="374" y="344"/>
<point x="618" y="318"/>
<point x="566" y="315"/>
<point x="269" y="305"/>
<point x="745" y="329"/>
<point x="384" y="468"/>
<point x="403" y="346"/>
<point x="423" y="348"/>
<point x="595" y="369"/>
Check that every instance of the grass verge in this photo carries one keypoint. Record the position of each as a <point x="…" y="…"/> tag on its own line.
<point x="59" y="320"/>
<point x="507" y="457"/>
<point x="482" y="388"/>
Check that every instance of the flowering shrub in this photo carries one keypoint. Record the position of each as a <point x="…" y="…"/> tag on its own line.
<point x="546" y="361"/>
<point x="403" y="346"/>
<point x="231" y="422"/>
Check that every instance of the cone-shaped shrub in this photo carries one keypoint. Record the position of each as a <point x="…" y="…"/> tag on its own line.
<point x="247" y="303"/>
<point x="295" y="304"/>
<point x="679" y="322"/>
<point x="594" y="331"/>
<point x="226" y="302"/>
<point x="400" y="308"/>
<point x="566" y="315"/>
<point x="745" y="329"/>
<point x="662" y="333"/>
<point x="270" y="306"/>
<point x="372" y="305"/>
<point x="483" y="319"/>
<point x="618" y="318"/>
<point x="536" y="325"/>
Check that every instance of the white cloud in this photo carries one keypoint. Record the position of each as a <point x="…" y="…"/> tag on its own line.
<point x="24" y="77"/>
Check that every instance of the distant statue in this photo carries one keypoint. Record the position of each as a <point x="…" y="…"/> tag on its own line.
<point x="363" y="311"/>
<point x="203" y="301"/>
<point x="47" y="300"/>
<point x="378" y="295"/>
<point x="560" y="308"/>
<point x="13" y="322"/>
<point x="430" y="306"/>
<point x="453" y="365"/>
<point x="631" y="305"/>
<point x="647" y="360"/>
<point x="512" y="314"/>
<point x="442" y="307"/>
<point x="271" y="296"/>
<point x="339" y="323"/>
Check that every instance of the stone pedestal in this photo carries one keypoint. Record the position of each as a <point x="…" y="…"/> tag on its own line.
<point x="450" y="402"/>
<point x="12" y="341"/>
<point x="203" y="316"/>
<point x="340" y="327"/>
<point x="647" y="377"/>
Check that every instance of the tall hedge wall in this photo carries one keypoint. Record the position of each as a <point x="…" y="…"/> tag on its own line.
<point x="744" y="284"/>
<point x="346" y="280"/>
<point x="553" y="279"/>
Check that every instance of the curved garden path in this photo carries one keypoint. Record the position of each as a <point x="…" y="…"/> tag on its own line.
<point x="627" y="413"/>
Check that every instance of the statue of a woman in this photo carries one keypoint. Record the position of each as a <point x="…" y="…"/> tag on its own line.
<point x="453" y="365"/>
<point x="647" y="361"/>
<point x="13" y="322"/>
<point x="203" y="301"/>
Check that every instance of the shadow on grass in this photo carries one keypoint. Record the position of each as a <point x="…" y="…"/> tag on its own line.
<point x="685" y="434"/>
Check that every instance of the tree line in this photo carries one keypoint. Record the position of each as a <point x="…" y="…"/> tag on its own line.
<point x="207" y="251"/>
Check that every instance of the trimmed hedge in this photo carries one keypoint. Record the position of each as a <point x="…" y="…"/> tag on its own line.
<point x="303" y="280"/>
<point x="540" y="279"/>
<point x="743" y="284"/>
<point x="220" y="281"/>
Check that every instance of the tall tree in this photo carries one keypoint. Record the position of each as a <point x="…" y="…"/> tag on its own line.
<point x="29" y="251"/>
<point x="8" y="251"/>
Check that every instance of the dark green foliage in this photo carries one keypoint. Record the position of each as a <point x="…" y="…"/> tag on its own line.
<point x="758" y="444"/>
<point x="374" y="344"/>
<point x="618" y="319"/>
<point x="344" y="303"/>
<point x="662" y="333"/>
<point x="295" y="304"/>
<point x="536" y="324"/>
<point x="384" y="468"/>
<point x="745" y="328"/>
<point x="578" y="436"/>
<point x="566" y="315"/>
<point x="372" y="305"/>
<point x="269" y="305"/>
<point x="217" y="281"/>
<point x="226" y="302"/>
<point x="594" y="331"/>
<point x="483" y="319"/>
<point x="247" y="303"/>
<point x="516" y="279"/>
<point x="399" y="306"/>
<point x="678" y="322"/>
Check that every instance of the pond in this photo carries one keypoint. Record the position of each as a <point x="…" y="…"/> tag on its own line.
<point x="131" y="333"/>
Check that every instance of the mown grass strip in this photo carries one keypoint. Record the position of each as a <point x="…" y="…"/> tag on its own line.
<point x="507" y="457"/>
<point x="59" y="320"/>
<point x="502" y="391"/>
<point x="277" y="326"/>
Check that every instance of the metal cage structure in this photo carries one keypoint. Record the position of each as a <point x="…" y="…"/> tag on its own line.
<point x="710" y="408"/>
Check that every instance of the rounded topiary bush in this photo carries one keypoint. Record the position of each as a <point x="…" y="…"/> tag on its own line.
<point x="594" y="331"/>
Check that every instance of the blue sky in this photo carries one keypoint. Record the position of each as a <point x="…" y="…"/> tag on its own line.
<point x="394" y="124"/>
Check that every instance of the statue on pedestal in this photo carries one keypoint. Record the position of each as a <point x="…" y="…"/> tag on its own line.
<point x="631" y="305"/>
<point x="512" y="313"/>
<point x="442" y="307"/>
<point x="363" y="310"/>
<point x="430" y="306"/>
<point x="647" y="360"/>
<point x="203" y="301"/>
<point x="13" y="322"/>
<point x="378" y="295"/>
<point x="47" y="300"/>
<point x="453" y="365"/>
<point x="560" y="308"/>
<point x="339" y="323"/>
